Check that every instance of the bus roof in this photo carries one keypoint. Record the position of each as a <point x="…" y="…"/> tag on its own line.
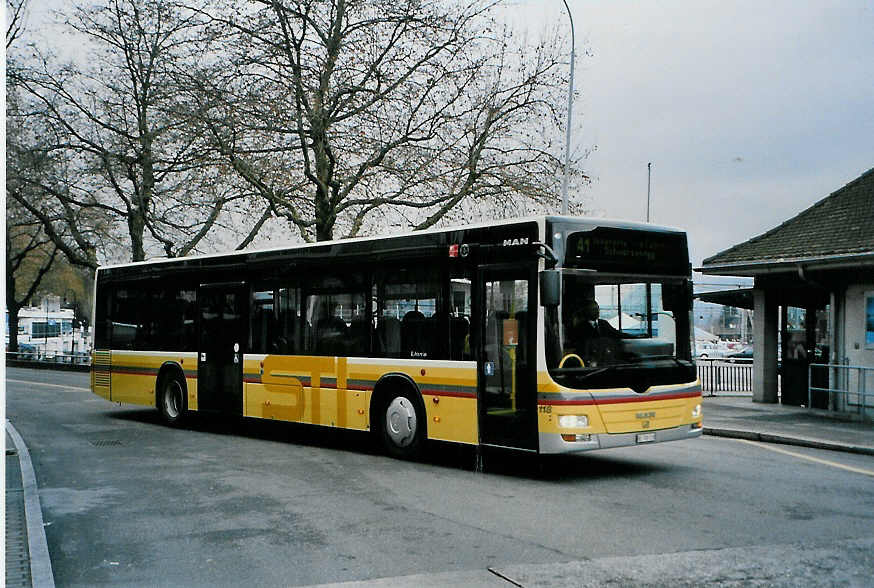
<point x="541" y="220"/>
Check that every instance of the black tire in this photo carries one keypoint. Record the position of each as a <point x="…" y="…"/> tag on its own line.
<point x="402" y="424"/>
<point x="171" y="400"/>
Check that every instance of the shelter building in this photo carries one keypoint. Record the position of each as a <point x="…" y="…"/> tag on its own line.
<point x="813" y="301"/>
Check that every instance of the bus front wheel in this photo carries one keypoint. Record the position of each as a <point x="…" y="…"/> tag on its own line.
<point x="403" y="425"/>
<point x="171" y="401"/>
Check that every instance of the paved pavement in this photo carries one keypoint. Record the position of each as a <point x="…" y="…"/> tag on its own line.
<point x="736" y="417"/>
<point x="741" y="418"/>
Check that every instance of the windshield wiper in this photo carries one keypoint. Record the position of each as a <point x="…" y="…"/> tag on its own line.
<point x="676" y="360"/>
<point x="578" y="371"/>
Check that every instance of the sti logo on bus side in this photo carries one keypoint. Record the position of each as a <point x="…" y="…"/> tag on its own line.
<point x="522" y="241"/>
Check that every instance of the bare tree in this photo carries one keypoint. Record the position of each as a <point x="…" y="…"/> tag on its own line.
<point x="15" y="12"/>
<point x="29" y="257"/>
<point x="117" y="117"/>
<point x="30" y="254"/>
<point x="348" y="113"/>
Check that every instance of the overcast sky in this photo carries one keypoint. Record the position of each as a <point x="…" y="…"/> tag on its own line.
<point x="749" y="111"/>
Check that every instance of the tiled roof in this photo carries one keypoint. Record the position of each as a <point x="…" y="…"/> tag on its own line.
<point x="840" y="224"/>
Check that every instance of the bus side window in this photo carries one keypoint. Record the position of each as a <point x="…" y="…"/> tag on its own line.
<point x="336" y="310"/>
<point x="171" y="320"/>
<point x="102" y="318"/>
<point x="275" y="321"/>
<point x="123" y="316"/>
<point x="263" y="321"/>
<point x="409" y="322"/>
<point x="287" y="339"/>
<point x="459" y="321"/>
<point x="187" y="299"/>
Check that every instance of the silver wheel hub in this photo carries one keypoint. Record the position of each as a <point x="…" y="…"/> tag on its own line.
<point x="400" y="421"/>
<point x="173" y="400"/>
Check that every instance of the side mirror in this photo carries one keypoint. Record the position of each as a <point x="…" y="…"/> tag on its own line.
<point x="677" y="297"/>
<point x="550" y="288"/>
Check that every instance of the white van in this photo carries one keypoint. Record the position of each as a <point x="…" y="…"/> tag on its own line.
<point x="708" y="350"/>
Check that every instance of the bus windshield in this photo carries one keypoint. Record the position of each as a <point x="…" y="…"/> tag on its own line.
<point x="607" y="323"/>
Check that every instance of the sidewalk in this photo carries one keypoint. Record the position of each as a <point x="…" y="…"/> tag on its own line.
<point x="741" y="418"/>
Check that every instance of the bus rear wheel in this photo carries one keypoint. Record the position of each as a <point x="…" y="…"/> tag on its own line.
<point x="403" y="426"/>
<point x="171" y="401"/>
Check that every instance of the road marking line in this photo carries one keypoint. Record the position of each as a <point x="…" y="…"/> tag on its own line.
<point x="833" y="464"/>
<point x="49" y="385"/>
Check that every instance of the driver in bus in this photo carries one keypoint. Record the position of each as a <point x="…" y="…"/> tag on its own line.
<point x="592" y="338"/>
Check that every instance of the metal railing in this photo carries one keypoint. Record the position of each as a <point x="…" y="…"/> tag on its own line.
<point x="721" y="375"/>
<point x="39" y="357"/>
<point x="850" y="388"/>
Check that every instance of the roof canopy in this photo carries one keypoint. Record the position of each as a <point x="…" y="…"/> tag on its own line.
<point x="741" y="297"/>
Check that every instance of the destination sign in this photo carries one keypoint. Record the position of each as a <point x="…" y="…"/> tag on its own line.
<point x="623" y="250"/>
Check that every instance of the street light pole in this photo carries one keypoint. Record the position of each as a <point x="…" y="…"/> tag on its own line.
<point x="570" y="103"/>
<point x="648" y="179"/>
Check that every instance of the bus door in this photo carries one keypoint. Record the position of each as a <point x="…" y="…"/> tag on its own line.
<point x="222" y="330"/>
<point x="507" y="366"/>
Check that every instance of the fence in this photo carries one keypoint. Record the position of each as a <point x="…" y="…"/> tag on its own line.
<point x="37" y="358"/>
<point x="850" y="388"/>
<point x="720" y="375"/>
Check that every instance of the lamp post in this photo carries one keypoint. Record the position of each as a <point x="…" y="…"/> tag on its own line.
<point x="648" y="178"/>
<point x="570" y="103"/>
<point x="72" y="302"/>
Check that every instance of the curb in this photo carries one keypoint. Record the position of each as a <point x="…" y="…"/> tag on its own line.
<point x="40" y="562"/>
<point x="786" y="440"/>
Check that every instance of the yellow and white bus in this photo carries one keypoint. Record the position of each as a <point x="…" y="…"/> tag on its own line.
<point x="473" y="335"/>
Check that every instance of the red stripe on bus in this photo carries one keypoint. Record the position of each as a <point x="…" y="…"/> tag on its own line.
<point x="627" y="399"/>
<point x="130" y="372"/>
<point x="566" y="402"/>
<point x="650" y="399"/>
<point x="448" y="394"/>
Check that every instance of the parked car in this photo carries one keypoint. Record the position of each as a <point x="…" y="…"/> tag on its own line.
<point x="709" y="350"/>
<point x="26" y="351"/>
<point x="742" y="355"/>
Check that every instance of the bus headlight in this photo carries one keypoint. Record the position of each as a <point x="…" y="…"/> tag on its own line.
<point x="573" y="421"/>
<point x="696" y="412"/>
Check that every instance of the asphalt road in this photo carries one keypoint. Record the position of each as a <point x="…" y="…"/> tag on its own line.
<point x="128" y="501"/>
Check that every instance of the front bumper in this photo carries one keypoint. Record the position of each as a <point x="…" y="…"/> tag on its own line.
<point x="551" y="443"/>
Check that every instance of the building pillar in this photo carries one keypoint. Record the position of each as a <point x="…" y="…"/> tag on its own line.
<point x="764" y="346"/>
<point x="837" y="347"/>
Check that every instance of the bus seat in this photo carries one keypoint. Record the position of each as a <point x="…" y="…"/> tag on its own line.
<point x="389" y="336"/>
<point x="331" y="335"/>
<point x="414" y="337"/>
<point x="459" y="329"/>
<point x="359" y="336"/>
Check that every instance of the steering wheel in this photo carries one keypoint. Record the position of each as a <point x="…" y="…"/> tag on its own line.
<point x="571" y="357"/>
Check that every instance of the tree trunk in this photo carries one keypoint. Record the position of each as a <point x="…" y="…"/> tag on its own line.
<point x="13" y="309"/>
<point x="325" y="216"/>
<point x="136" y="224"/>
